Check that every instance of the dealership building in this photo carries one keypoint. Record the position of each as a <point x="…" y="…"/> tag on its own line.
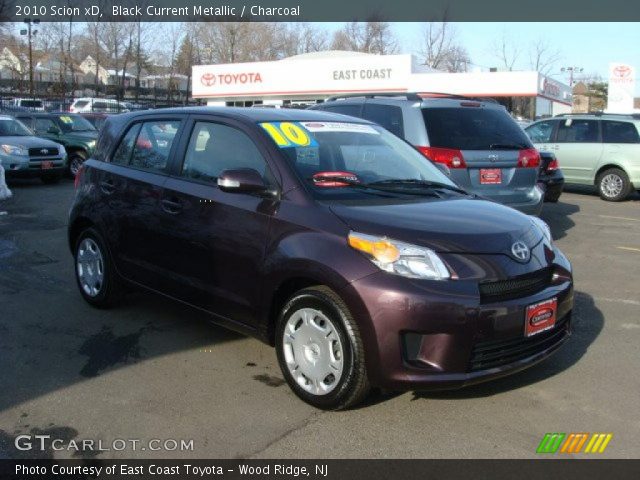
<point x="313" y="77"/>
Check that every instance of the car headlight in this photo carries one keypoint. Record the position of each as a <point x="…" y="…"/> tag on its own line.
<point x="400" y="258"/>
<point x="62" y="150"/>
<point x="14" y="150"/>
<point x="544" y="228"/>
<point x="91" y="144"/>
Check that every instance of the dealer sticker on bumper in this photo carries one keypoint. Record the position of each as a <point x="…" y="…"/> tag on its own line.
<point x="540" y="317"/>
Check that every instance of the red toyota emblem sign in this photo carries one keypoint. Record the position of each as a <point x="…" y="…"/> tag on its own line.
<point x="208" y="79"/>
<point x="622" y="71"/>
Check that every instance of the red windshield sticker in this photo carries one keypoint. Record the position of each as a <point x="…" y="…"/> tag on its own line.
<point x="334" y="179"/>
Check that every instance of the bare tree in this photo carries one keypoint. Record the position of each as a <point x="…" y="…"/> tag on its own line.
<point x="368" y="37"/>
<point x="542" y="57"/>
<point x="305" y="38"/>
<point x="506" y="51"/>
<point x="441" y="50"/>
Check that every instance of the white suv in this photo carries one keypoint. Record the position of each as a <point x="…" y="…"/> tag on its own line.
<point x="102" y="105"/>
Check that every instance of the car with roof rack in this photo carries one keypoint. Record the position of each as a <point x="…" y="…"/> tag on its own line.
<point x="325" y="236"/>
<point x="474" y="140"/>
<point x="599" y="149"/>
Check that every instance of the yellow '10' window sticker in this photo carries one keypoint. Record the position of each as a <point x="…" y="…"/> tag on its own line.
<point x="66" y="119"/>
<point x="289" y="134"/>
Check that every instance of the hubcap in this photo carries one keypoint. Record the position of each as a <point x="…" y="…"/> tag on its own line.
<point x="611" y="185"/>
<point x="313" y="351"/>
<point x="90" y="267"/>
<point x="75" y="165"/>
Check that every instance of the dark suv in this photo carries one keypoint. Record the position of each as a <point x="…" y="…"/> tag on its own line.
<point x="77" y="134"/>
<point x="478" y="143"/>
<point x="325" y="236"/>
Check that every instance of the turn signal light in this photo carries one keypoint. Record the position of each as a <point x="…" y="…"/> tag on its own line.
<point x="78" y="179"/>
<point x="553" y="165"/>
<point x="382" y="250"/>
<point x="450" y="157"/>
<point x="528" y="158"/>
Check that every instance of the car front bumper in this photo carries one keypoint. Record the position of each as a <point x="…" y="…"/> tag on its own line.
<point x="33" y="167"/>
<point x="426" y="335"/>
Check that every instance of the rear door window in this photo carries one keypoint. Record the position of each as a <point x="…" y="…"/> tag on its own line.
<point x="473" y="128"/>
<point x="577" y="131"/>
<point x="386" y="116"/>
<point x="619" y="132"/>
<point x="122" y="155"/>
<point x="152" y="147"/>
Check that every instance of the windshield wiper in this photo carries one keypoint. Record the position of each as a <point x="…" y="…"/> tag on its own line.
<point x="348" y="181"/>
<point x="420" y="183"/>
<point x="507" y="146"/>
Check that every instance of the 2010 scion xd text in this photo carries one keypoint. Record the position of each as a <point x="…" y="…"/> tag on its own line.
<point x="325" y="236"/>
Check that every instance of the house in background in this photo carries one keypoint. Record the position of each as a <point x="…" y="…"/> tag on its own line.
<point x="166" y="81"/>
<point x="88" y="68"/>
<point x="10" y="65"/>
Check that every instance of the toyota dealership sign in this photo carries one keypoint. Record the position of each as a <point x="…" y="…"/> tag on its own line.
<point x="622" y="85"/>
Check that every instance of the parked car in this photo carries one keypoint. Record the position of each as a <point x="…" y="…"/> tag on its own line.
<point x="96" y="119"/>
<point x="74" y="132"/>
<point x="550" y="178"/>
<point x="326" y="236"/>
<point x="31" y="104"/>
<point x="22" y="154"/>
<point x="594" y="149"/>
<point x="479" y="143"/>
<point x="104" y="105"/>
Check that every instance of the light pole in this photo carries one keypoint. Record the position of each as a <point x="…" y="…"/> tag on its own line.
<point x="30" y="31"/>
<point x="571" y="71"/>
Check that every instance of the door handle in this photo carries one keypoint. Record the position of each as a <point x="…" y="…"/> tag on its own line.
<point x="171" y="205"/>
<point x="107" y="186"/>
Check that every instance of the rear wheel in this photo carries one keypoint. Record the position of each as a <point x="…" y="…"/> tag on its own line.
<point x="76" y="159"/>
<point x="97" y="280"/>
<point x="320" y="350"/>
<point x="614" y="185"/>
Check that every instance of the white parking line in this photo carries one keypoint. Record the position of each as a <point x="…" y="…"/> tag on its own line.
<point x="631" y="249"/>
<point x="618" y="300"/>
<point x="620" y="218"/>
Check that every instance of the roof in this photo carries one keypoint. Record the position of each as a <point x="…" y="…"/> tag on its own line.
<point x="255" y="114"/>
<point x="327" y="54"/>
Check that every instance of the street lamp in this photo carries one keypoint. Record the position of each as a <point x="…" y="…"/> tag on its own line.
<point x="30" y="31"/>
<point x="571" y="71"/>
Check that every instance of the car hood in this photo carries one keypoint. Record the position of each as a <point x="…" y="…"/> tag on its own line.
<point x="28" y="142"/>
<point x="452" y="226"/>
<point x="81" y="136"/>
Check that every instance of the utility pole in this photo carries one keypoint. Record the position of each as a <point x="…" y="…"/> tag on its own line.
<point x="30" y="31"/>
<point x="571" y="71"/>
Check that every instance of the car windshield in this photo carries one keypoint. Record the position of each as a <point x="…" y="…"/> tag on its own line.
<point x="75" y="123"/>
<point x="339" y="160"/>
<point x="13" y="128"/>
<point x="473" y="128"/>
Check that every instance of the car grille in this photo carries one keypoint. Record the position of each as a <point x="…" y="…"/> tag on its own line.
<point x="494" y="353"/>
<point x="516" y="287"/>
<point x="43" y="152"/>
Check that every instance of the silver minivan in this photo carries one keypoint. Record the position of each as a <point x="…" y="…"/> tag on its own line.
<point x="477" y="143"/>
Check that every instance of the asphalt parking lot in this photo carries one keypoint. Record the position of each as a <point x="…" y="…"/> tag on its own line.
<point x="152" y="369"/>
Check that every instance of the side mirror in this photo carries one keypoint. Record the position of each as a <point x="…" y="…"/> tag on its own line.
<point x="241" y="180"/>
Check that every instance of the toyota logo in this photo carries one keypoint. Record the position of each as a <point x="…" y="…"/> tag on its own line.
<point x="44" y="151"/>
<point x="208" y="79"/>
<point x="493" y="158"/>
<point x="622" y="71"/>
<point x="520" y="252"/>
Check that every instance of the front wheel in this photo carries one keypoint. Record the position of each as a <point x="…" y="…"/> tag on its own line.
<point x="614" y="185"/>
<point x="97" y="279"/>
<point x="320" y="350"/>
<point x="76" y="159"/>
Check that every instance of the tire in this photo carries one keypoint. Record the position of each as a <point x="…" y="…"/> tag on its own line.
<point x="76" y="159"/>
<point x="101" y="291"/>
<point x="334" y="345"/>
<point x="51" y="179"/>
<point x="613" y="185"/>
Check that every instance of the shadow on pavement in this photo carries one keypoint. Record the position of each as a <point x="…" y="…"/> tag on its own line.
<point x="588" y="322"/>
<point x="558" y="216"/>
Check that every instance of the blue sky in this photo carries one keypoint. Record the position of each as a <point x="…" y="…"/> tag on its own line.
<point x="588" y="45"/>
